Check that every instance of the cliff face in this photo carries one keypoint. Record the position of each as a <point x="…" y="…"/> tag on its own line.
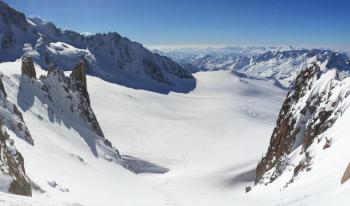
<point x="70" y="92"/>
<point x="28" y="67"/>
<point x="67" y="100"/>
<point x="12" y="174"/>
<point x="316" y="101"/>
<point x="10" y="115"/>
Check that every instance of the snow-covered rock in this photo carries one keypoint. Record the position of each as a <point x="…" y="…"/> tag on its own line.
<point x="67" y="100"/>
<point x="304" y="131"/>
<point x="12" y="174"/>
<point x="10" y="115"/>
<point x="108" y="56"/>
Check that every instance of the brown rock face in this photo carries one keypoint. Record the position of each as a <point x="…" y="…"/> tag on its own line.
<point x="346" y="175"/>
<point x="307" y="123"/>
<point x="79" y="73"/>
<point x="28" y="68"/>
<point x="12" y="165"/>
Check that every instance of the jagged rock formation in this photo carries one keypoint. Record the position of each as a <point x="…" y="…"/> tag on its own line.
<point x="312" y="106"/>
<point x="73" y="87"/>
<point x="28" y="67"/>
<point x="79" y="73"/>
<point x="12" y="173"/>
<point x="11" y="117"/>
<point x="68" y="101"/>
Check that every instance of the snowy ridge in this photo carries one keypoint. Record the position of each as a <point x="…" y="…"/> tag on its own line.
<point x="68" y="138"/>
<point x="108" y="56"/>
<point x="67" y="100"/>
<point x="308" y="132"/>
<point x="280" y="64"/>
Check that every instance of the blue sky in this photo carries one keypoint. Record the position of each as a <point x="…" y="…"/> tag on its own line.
<point x="220" y="22"/>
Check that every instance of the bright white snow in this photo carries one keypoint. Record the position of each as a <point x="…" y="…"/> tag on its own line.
<point x="210" y="140"/>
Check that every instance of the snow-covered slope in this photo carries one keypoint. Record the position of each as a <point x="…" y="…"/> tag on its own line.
<point x="71" y="158"/>
<point x="309" y="148"/>
<point x="108" y="56"/>
<point x="190" y="134"/>
<point x="210" y="140"/>
<point x="12" y="173"/>
<point x="195" y="148"/>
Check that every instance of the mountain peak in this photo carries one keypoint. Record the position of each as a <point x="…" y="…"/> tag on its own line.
<point x="107" y="55"/>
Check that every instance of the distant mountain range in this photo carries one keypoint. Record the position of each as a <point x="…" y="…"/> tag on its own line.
<point x="109" y="56"/>
<point x="279" y="63"/>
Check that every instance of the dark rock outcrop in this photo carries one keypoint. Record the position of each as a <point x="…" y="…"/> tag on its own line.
<point x="75" y="88"/>
<point x="28" y="68"/>
<point x="346" y="175"/>
<point x="12" y="165"/>
<point x="12" y="117"/>
<point x="79" y="73"/>
<point x="2" y="89"/>
<point x="298" y="126"/>
<point x="11" y="161"/>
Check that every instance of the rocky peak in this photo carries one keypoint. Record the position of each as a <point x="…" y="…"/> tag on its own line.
<point x="28" y="68"/>
<point x="79" y="73"/>
<point x="312" y="106"/>
<point x="283" y="136"/>
<point x="68" y="99"/>
<point x="73" y="87"/>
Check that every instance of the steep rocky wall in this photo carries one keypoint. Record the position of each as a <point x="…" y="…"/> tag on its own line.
<point x="12" y="173"/>
<point x="311" y="107"/>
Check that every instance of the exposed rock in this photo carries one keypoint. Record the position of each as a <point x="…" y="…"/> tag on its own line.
<point x="79" y="73"/>
<point x="28" y="68"/>
<point x="51" y="68"/>
<point x="12" y="117"/>
<point x="68" y="100"/>
<point x="306" y="123"/>
<point x="154" y="71"/>
<point x="283" y="136"/>
<point x="327" y="144"/>
<point x="12" y="166"/>
<point x="2" y="89"/>
<point x="74" y="88"/>
<point x="346" y="175"/>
